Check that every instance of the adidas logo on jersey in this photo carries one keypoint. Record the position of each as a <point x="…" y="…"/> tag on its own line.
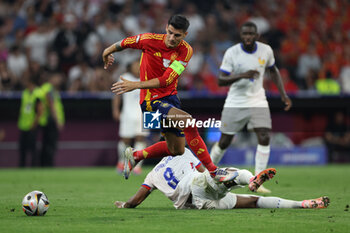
<point x="157" y="54"/>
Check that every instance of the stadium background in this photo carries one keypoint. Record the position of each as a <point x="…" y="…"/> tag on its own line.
<point x="310" y="39"/>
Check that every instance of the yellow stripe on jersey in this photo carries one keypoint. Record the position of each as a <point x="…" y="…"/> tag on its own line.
<point x="148" y="97"/>
<point x="171" y="77"/>
<point x="152" y="36"/>
<point x="189" y="51"/>
<point x="129" y="41"/>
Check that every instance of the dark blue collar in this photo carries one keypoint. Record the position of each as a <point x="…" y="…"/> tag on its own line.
<point x="256" y="47"/>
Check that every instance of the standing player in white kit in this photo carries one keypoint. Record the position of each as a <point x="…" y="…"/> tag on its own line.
<point x="177" y="178"/>
<point x="243" y="68"/>
<point x="130" y="118"/>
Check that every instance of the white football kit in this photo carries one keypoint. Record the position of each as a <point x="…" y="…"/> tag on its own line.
<point x="247" y="92"/>
<point x="246" y="100"/>
<point x="177" y="178"/>
<point x="131" y="115"/>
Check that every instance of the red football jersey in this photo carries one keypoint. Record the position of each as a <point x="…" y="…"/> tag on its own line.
<point x="156" y="60"/>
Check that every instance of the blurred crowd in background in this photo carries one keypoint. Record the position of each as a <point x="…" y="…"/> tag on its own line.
<point x="40" y="38"/>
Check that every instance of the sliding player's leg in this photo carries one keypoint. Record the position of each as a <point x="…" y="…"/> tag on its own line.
<point x="250" y="201"/>
<point x="197" y="145"/>
<point x="245" y="177"/>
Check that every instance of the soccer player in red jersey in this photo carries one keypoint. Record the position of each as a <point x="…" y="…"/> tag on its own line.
<point x="164" y="58"/>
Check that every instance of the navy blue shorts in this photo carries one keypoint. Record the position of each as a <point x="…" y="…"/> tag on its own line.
<point x="164" y="105"/>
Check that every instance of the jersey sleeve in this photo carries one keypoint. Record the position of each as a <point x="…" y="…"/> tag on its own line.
<point x="136" y="42"/>
<point x="148" y="183"/>
<point x="227" y="62"/>
<point x="175" y="69"/>
<point x="271" y="58"/>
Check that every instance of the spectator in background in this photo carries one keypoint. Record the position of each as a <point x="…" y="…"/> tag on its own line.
<point x="101" y="81"/>
<point x="197" y="24"/>
<point x="345" y="79"/>
<point x="52" y="119"/>
<point x="326" y="85"/>
<point x="52" y="65"/>
<point x="309" y="64"/>
<point x="111" y="30"/>
<point x="37" y="43"/>
<point x="337" y="138"/>
<point x="80" y="76"/>
<point x="17" y="64"/>
<point x="197" y="60"/>
<point x="66" y="43"/>
<point x="29" y="114"/>
<point x="134" y="24"/>
<point x="6" y="81"/>
<point x="92" y="46"/>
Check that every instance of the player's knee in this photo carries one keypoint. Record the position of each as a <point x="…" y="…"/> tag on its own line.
<point x="264" y="138"/>
<point x="224" y="143"/>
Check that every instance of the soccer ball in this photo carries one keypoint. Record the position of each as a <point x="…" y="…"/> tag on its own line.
<point x="35" y="203"/>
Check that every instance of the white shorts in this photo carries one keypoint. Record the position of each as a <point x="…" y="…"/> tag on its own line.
<point x="206" y="194"/>
<point x="130" y="127"/>
<point x="234" y="119"/>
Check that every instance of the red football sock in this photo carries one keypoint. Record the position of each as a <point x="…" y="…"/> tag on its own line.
<point x="197" y="145"/>
<point x="157" y="150"/>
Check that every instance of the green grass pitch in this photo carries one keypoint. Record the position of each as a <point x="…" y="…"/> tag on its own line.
<point x="82" y="201"/>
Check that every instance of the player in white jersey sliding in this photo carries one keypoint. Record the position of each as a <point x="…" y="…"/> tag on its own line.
<point x="243" y="68"/>
<point x="178" y="179"/>
<point x="130" y="118"/>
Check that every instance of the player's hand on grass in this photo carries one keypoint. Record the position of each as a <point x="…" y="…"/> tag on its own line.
<point x="288" y="102"/>
<point x="108" y="60"/>
<point x="123" y="86"/>
<point x="119" y="204"/>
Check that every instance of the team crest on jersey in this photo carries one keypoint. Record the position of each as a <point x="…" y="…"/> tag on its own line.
<point x="194" y="142"/>
<point x="173" y="56"/>
<point x="261" y="61"/>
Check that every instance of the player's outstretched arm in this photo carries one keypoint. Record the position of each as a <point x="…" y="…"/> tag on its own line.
<point x="107" y="55"/>
<point x="276" y="78"/>
<point x="125" y="85"/>
<point x="134" y="201"/>
<point x="227" y="79"/>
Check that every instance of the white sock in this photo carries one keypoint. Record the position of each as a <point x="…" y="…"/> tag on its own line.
<point x="140" y="146"/>
<point x="216" y="153"/>
<point x="121" y="149"/>
<point x="243" y="177"/>
<point x="261" y="158"/>
<point x="276" y="202"/>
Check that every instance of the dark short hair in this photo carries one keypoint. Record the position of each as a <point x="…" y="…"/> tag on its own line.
<point x="179" y="22"/>
<point x="250" y="24"/>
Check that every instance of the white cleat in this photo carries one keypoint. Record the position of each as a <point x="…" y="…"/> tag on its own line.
<point x="129" y="162"/>
<point x="223" y="175"/>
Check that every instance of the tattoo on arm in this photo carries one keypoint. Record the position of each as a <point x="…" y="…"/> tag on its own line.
<point x="118" y="46"/>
